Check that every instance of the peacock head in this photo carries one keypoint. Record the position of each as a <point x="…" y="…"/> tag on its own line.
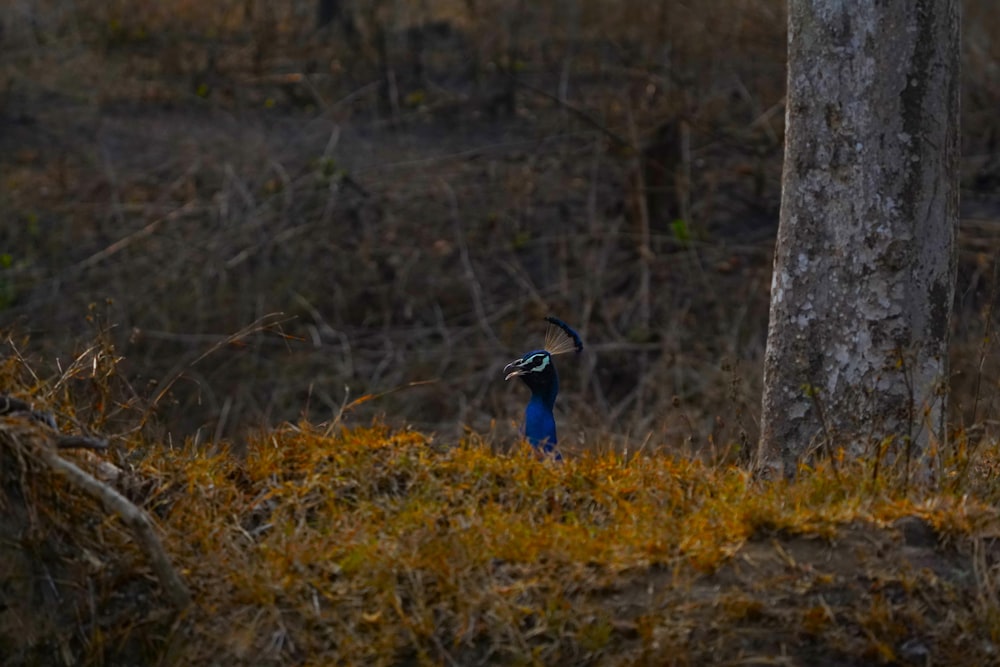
<point x="536" y="368"/>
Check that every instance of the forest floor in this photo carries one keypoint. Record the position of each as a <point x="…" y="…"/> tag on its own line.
<point x="323" y="545"/>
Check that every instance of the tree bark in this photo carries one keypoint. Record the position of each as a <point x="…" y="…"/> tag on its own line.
<point x="865" y="260"/>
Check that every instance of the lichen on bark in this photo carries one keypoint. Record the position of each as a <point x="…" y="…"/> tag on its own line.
<point x="865" y="256"/>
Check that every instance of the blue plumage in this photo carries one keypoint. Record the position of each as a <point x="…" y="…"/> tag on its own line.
<point x="537" y="370"/>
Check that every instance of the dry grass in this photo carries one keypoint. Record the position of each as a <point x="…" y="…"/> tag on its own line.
<point x="377" y="547"/>
<point x="322" y="544"/>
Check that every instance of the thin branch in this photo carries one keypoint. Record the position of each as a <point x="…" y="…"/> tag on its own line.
<point x="129" y="239"/>
<point x="80" y="442"/>
<point x="263" y="323"/>
<point x="470" y="272"/>
<point x="134" y="517"/>
<point x="574" y="110"/>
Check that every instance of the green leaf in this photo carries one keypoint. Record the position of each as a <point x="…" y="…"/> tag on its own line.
<point x="681" y="230"/>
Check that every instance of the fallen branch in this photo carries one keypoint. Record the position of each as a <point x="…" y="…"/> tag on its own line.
<point x="136" y="519"/>
<point x="79" y="442"/>
<point x="45" y="441"/>
<point x="14" y="407"/>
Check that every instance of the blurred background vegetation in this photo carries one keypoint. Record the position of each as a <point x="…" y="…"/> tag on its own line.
<point x="414" y="185"/>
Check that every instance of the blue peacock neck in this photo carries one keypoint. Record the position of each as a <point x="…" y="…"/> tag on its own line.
<point x="544" y="389"/>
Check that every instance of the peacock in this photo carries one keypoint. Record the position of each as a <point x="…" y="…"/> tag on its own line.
<point x="538" y="371"/>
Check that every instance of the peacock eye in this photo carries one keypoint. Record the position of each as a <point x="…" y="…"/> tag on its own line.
<point x="536" y="363"/>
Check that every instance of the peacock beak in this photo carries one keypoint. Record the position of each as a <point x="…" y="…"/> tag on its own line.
<point x="513" y="369"/>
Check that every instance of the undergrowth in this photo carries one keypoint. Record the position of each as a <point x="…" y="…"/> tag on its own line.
<point x="328" y="544"/>
<point x="415" y="185"/>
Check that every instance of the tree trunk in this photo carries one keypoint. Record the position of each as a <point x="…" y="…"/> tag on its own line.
<point x="865" y="260"/>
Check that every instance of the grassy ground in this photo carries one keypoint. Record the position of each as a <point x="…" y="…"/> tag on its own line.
<point x="322" y="544"/>
<point x="370" y="547"/>
<point x="375" y="547"/>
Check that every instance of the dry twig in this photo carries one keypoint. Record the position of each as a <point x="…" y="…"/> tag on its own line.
<point x="136" y="519"/>
<point x="43" y="447"/>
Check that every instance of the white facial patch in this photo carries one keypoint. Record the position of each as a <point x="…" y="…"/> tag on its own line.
<point x="533" y="359"/>
<point x="536" y="363"/>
